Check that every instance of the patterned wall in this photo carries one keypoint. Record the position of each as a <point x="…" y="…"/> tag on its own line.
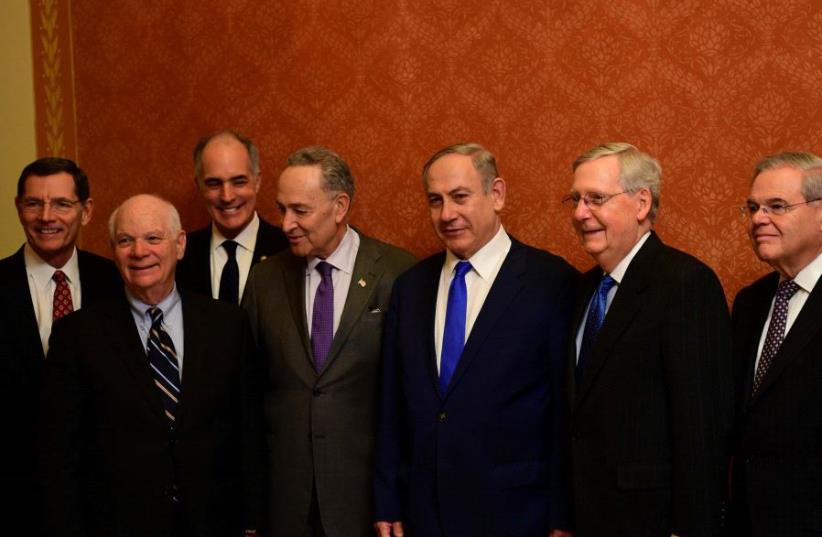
<point x="708" y="86"/>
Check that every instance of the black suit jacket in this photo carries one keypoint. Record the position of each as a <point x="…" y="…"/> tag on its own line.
<point x="652" y="413"/>
<point x="194" y="270"/>
<point x="485" y="458"/>
<point x="21" y="375"/>
<point x="109" y="454"/>
<point x="778" y="460"/>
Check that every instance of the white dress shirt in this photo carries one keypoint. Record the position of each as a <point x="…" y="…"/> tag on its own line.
<point x="485" y="265"/>
<point x="246" y="241"/>
<point x="617" y="274"/>
<point x="806" y="280"/>
<point x="342" y="259"/>
<point x="42" y="287"/>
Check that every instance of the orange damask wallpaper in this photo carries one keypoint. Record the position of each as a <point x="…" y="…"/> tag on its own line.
<point x="707" y="86"/>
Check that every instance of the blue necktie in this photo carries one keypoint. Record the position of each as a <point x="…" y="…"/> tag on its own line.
<point x="453" y="337"/>
<point x="596" y="315"/>
<point x="162" y="357"/>
<point x="322" y="317"/>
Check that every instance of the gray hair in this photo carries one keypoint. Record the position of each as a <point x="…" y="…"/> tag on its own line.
<point x="173" y="216"/>
<point x="637" y="170"/>
<point x="809" y="164"/>
<point x="483" y="160"/>
<point x="253" y="152"/>
<point x="335" y="171"/>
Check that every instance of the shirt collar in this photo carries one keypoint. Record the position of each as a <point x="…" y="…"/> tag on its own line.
<point x="808" y="276"/>
<point x="42" y="272"/>
<point x="619" y="271"/>
<point x="343" y="257"/>
<point x="487" y="258"/>
<point x="141" y="308"/>
<point x="246" y="238"/>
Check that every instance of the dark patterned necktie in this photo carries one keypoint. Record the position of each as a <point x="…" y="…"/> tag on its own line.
<point x="453" y="335"/>
<point x="62" y="304"/>
<point x="596" y="316"/>
<point x="776" y="330"/>
<point x="230" y="278"/>
<point x="163" y="361"/>
<point x="322" y="317"/>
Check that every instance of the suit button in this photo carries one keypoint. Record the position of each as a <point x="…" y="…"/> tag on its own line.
<point x="443" y="417"/>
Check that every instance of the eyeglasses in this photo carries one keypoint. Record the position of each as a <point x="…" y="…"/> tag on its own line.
<point x="594" y="200"/>
<point x="774" y="208"/>
<point x="58" y="205"/>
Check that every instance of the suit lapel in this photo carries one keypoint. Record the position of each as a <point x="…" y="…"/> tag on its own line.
<point x="294" y="283"/>
<point x="364" y="280"/>
<point x="755" y="318"/>
<point x="130" y="350"/>
<point x="505" y="288"/>
<point x="202" y="258"/>
<point x="589" y="284"/>
<point x="194" y="349"/>
<point x="21" y="294"/>
<point x="627" y="302"/>
<point x="803" y="329"/>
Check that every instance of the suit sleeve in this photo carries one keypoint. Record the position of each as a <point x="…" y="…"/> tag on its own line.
<point x="390" y="456"/>
<point x="255" y="472"/>
<point x="61" y="441"/>
<point x="561" y="494"/>
<point x="697" y="361"/>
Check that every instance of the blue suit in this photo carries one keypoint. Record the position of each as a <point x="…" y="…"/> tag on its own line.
<point x="486" y="457"/>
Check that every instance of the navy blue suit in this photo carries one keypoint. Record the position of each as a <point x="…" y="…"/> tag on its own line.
<point x="485" y="458"/>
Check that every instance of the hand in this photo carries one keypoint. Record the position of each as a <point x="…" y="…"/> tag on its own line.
<point x="250" y="533"/>
<point x="388" y="529"/>
<point x="560" y="533"/>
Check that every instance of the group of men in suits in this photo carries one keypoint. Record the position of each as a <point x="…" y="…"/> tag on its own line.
<point x="486" y="390"/>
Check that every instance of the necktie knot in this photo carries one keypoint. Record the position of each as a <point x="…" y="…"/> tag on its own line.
<point x="230" y="248"/>
<point x="59" y="276"/>
<point x="462" y="269"/>
<point x="785" y="290"/>
<point x="324" y="268"/>
<point x="606" y="284"/>
<point x="156" y="315"/>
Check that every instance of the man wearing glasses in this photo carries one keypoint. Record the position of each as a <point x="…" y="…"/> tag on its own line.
<point x="649" y="363"/>
<point x="777" y="472"/>
<point x="45" y="279"/>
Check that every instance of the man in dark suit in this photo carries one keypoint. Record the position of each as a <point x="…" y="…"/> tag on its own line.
<point x="147" y="424"/>
<point x="53" y="203"/>
<point x="472" y="426"/>
<point x="649" y="363"/>
<point x="777" y="327"/>
<point x="219" y="257"/>
<point x="316" y="313"/>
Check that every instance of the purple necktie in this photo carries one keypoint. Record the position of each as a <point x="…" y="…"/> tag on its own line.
<point x="776" y="330"/>
<point x="322" y="319"/>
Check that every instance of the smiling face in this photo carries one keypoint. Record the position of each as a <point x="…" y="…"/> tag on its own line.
<point x="610" y="231"/>
<point x="314" y="219"/>
<point x="463" y="215"/>
<point x="787" y="242"/>
<point x="52" y="215"/>
<point x="146" y="248"/>
<point x="228" y="185"/>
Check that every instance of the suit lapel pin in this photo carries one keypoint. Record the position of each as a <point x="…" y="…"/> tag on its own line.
<point x="361" y="283"/>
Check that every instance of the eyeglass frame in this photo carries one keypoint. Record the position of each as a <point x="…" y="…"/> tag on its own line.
<point x="771" y="209"/>
<point x="574" y="199"/>
<point x="58" y="205"/>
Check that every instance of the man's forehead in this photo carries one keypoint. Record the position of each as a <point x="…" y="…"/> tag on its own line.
<point x="61" y="181"/>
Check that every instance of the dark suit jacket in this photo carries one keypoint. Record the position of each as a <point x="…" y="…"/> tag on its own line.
<point x="109" y="454"/>
<point x="21" y="375"/>
<point x="778" y="460"/>
<point x="651" y="415"/>
<point x="194" y="270"/>
<point x="321" y="427"/>
<point x="484" y="458"/>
